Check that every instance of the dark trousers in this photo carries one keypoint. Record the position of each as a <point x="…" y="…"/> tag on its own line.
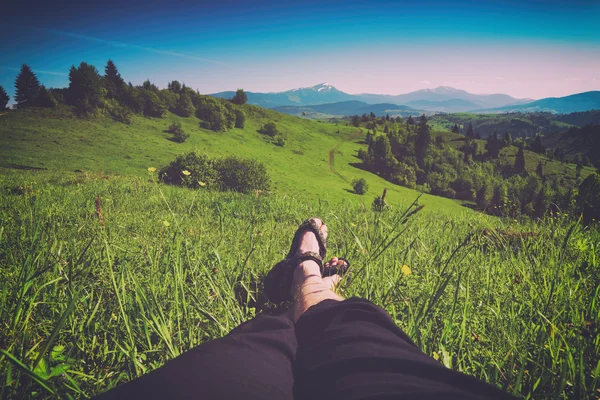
<point x="337" y="350"/>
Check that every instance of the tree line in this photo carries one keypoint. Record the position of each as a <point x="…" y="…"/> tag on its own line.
<point x="405" y="153"/>
<point x="91" y="93"/>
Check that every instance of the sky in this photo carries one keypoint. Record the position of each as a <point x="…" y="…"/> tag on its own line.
<point x="525" y="49"/>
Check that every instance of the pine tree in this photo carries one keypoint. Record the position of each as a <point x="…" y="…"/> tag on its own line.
<point x="113" y="82"/>
<point x="540" y="170"/>
<point x="519" y="166"/>
<point x="27" y="87"/>
<point x="3" y="98"/>
<point x="537" y="146"/>
<point x="422" y="140"/>
<point x="507" y="139"/>
<point x="455" y="129"/>
<point x="470" y="134"/>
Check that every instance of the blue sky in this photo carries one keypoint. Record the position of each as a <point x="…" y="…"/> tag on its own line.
<point x="533" y="49"/>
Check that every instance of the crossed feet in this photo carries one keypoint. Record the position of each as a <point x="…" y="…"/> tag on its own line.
<point x="308" y="287"/>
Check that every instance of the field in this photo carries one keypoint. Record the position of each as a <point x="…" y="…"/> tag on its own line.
<point x="57" y="140"/>
<point x="107" y="273"/>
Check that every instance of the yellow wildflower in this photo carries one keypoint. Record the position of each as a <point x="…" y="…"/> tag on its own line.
<point x="406" y="270"/>
<point x="186" y="172"/>
<point x="436" y="356"/>
<point x="201" y="183"/>
<point x="166" y="223"/>
<point x="151" y="169"/>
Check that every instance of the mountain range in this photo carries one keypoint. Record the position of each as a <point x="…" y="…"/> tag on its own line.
<point x="441" y="99"/>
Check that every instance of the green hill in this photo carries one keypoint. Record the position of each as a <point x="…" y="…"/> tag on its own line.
<point x="315" y="161"/>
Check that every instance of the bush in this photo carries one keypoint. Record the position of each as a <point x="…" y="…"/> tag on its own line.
<point x="215" y="115"/>
<point x="191" y="170"/>
<point x="279" y="140"/>
<point x="118" y="112"/>
<point x="240" y="119"/>
<point x="195" y="170"/>
<point x="360" y="186"/>
<point x="179" y="135"/>
<point x="242" y="175"/>
<point x="269" y="129"/>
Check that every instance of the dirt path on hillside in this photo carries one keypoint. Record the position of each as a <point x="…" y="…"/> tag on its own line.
<point x="3" y="114"/>
<point x="332" y="155"/>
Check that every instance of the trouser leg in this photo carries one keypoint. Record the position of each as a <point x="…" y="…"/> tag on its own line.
<point x="353" y="350"/>
<point x="254" y="361"/>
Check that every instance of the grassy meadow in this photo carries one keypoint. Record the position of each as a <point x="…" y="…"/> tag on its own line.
<point x="107" y="273"/>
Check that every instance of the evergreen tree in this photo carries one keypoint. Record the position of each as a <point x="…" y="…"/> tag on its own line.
<point x="507" y="139"/>
<point x="174" y="86"/>
<point x="43" y="98"/>
<point x="537" y="145"/>
<point x="27" y="87"/>
<point x="578" y="170"/>
<point x="455" y="129"/>
<point x="86" y="88"/>
<point x="387" y="117"/>
<point x="470" y="134"/>
<point x="3" y="98"/>
<point x="493" y="146"/>
<point x="540" y="170"/>
<point x="240" y="97"/>
<point x="519" y="166"/>
<point x="422" y="141"/>
<point x="409" y="121"/>
<point x="113" y="82"/>
<point x="381" y="155"/>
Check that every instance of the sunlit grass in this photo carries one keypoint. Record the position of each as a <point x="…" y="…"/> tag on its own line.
<point x="86" y="306"/>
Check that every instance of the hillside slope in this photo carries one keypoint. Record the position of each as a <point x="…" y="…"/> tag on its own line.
<point x="55" y="139"/>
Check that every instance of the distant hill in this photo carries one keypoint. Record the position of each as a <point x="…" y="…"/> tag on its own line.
<point x="345" y="108"/>
<point x="445" y="97"/>
<point x="560" y="105"/>
<point x="441" y="99"/>
<point x="577" y="141"/>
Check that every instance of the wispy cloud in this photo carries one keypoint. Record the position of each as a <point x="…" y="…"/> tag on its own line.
<point x="425" y="82"/>
<point x="127" y="45"/>
<point x="136" y="47"/>
<point x="37" y="71"/>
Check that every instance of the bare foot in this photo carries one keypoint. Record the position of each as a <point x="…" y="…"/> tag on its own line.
<point x="308" y="287"/>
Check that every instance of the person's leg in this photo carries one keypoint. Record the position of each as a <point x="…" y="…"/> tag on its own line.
<point x="353" y="350"/>
<point x="254" y="361"/>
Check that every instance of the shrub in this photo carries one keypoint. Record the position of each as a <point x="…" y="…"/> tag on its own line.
<point x="184" y="106"/>
<point x="360" y="186"/>
<point x="279" y="140"/>
<point x="214" y="115"/>
<point x="242" y="175"/>
<point x="269" y="129"/>
<point x="118" y="112"/>
<point x="179" y="135"/>
<point x="191" y="170"/>
<point x="240" y="119"/>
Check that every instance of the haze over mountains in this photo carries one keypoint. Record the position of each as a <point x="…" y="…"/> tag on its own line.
<point x="441" y="99"/>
